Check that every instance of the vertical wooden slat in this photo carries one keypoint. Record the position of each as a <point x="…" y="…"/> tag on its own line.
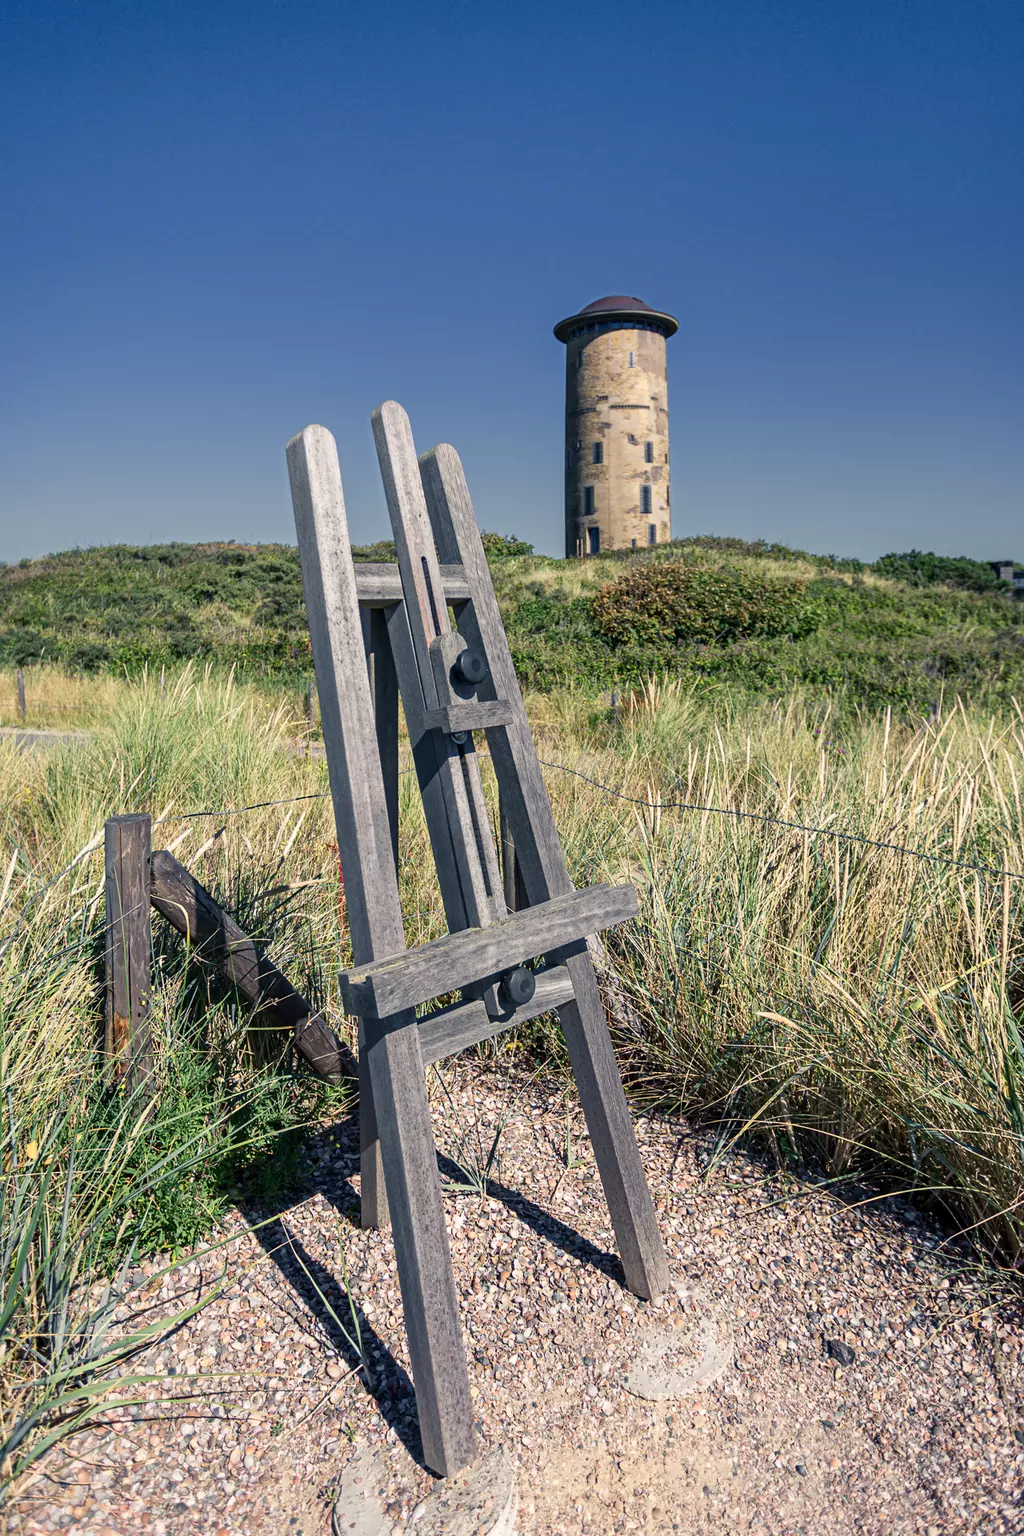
<point x="128" y="949"/>
<point x="528" y="809"/>
<point x="391" y="1046"/>
<point x="448" y="770"/>
<point x="511" y="871"/>
<point x="384" y="691"/>
<point x="384" y="688"/>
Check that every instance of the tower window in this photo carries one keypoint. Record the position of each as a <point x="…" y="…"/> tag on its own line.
<point x="632" y="543"/>
<point x="652" y="533"/>
<point x="649" y="453"/>
<point x="598" y="452"/>
<point x="579" y="358"/>
<point x="593" y="541"/>
<point x="588" y="501"/>
<point x="645" y="499"/>
<point x="631" y="359"/>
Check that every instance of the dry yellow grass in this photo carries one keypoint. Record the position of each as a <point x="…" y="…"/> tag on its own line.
<point x="859" y="1005"/>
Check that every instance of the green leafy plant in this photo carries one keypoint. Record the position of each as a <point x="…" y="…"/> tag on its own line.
<point x="921" y="568"/>
<point x="670" y="602"/>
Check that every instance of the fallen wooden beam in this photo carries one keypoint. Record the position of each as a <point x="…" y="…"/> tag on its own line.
<point x="179" y="897"/>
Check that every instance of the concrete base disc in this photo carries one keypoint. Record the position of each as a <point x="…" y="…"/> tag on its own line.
<point x="481" y="1501"/>
<point x="690" y="1354"/>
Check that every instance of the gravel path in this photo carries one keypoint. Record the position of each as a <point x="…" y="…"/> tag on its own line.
<point x="875" y="1384"/>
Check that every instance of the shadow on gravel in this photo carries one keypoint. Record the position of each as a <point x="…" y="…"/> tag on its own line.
<point x="549" y="1227"/>
<point x="314" y="1284"/>
<point x="386" y="1381"/>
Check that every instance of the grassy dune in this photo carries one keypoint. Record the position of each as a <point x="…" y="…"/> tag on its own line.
<point x="861" y="637"/>
<point x="855" y="1008"/>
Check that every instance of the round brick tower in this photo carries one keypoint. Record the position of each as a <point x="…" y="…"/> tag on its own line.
<point x="616" y="426"/>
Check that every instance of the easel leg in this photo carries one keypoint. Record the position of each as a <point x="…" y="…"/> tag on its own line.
<point x="373" y="1197"/>
<point x="384" y="691"/>
<point x="429" y="1300"/>
<point x="611" y="1133"/>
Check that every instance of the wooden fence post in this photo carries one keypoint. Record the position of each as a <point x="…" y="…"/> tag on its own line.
<point x="127" y="1038"/>
<point x="21" y="695"/>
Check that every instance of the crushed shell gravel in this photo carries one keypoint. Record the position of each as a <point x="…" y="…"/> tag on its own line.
<point x="260" y="1411"/>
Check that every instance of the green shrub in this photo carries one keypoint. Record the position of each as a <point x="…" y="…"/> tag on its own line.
<point x="504" y="546"/>
<point x="672" y="602"/>
<point x="922" y="568"/>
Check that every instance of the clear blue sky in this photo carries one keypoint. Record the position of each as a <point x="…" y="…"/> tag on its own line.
<point x="223" y="221"/>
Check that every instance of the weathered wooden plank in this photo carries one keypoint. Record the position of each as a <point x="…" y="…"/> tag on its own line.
<point x="429" y="1301"/>
<point x="511" y="873"/>
<point x="129" y="945"/>
<point x="346" y="709"/>
<point x="394" y="1065"/>
<point x="384" y="690"/>
<point x="430" y="755"/>
<point x="188" y="906"/>
<point x="468" y="715"/>
<point x="544" y="874"/>
<point x="381" y="585"/>
<point x="461" y="1025"/>
<point x="477" y="899"/>
<point x="373" y="1194"/>
<point x="473" y="955"/>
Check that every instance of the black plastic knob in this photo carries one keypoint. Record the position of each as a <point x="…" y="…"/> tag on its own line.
<point x="470" y="666"/>
<point x="518" y="987"/>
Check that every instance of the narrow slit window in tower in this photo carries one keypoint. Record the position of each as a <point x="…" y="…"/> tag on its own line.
<point x="649" y="453"/>
<point x="645" y="499"/>
<point x="588" y="501"/>
<point x="632" y="543"/>
<point x="598" y="449"/>
<point x="652" y="533"/>
<point x="631" y="359"/>
<point x="593" y="541"/>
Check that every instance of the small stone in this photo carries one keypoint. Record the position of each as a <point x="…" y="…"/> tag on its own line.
<point x="842" y="1354"/>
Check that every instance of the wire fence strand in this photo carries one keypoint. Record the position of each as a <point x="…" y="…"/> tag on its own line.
<point x="781" y="821"/>
<point x="840" y="834"/>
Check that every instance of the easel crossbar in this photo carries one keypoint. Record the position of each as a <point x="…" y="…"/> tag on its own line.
<point x="474" y="955"/>
<point x="462" y="1025"/>
<point x="380" y="585"/>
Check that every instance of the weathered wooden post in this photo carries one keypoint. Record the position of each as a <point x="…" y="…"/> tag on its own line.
<point x="127" y="1040"/>
<point x="21" y="695"/>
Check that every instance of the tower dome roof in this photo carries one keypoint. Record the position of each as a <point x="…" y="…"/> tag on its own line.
<point x="614" y="301"/>
<point x="617" y="308"/>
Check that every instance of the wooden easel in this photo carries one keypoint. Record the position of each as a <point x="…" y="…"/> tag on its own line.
<point x="452" y="682"/>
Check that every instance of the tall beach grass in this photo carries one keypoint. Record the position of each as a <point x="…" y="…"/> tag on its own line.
<point x="856" y="1008"/>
